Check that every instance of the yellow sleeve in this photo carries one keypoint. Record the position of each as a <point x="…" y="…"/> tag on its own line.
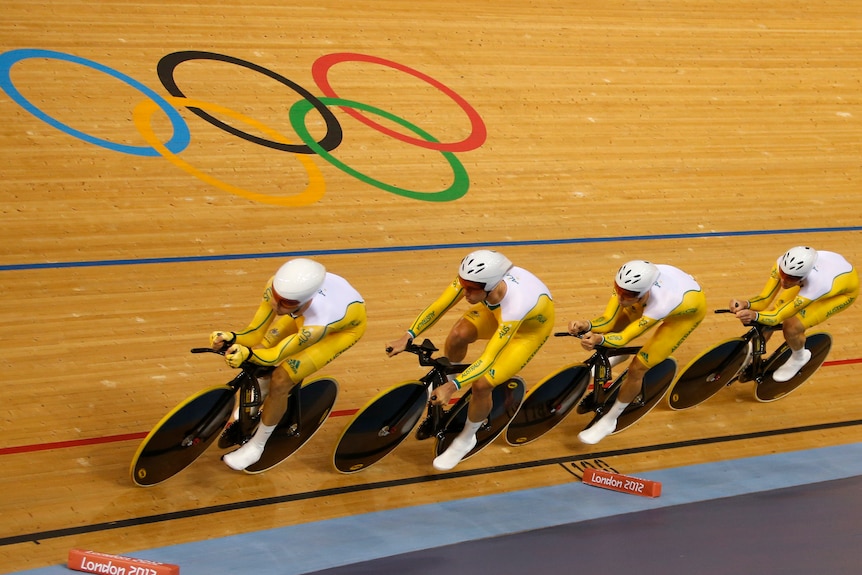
<point x="291" y="345"/>
<point x="492" y="351"/>
<point x="770" y="290"/>
<point x="605" y="322"/>
<point x="429" y="316"/>
<point x="630" y="332"/>
<point x="788" y="310"/>
<point x="254" y="333"/>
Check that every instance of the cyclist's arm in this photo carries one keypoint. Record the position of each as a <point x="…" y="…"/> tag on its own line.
<point x="788" y="310"/>
<point x="492" y="351"/>
<point x="630" y="332"/>
<point x="253" y="334"/>
<point x="767" y="294"/>
<point x="605" y="322"/>
<point x="307" y="336"/>
<point x="431" y="314"/>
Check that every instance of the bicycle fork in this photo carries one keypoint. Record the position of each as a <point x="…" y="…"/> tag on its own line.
<point x="206" y="425"/>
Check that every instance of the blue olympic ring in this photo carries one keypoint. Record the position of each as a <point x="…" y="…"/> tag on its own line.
<point x="181" y="137"/>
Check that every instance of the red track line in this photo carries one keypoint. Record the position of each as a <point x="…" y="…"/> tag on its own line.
<point x="72" y="443"/>
<point x="142" y="434"/>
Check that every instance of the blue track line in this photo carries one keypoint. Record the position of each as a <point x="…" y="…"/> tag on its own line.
<point x="386" y="249"/>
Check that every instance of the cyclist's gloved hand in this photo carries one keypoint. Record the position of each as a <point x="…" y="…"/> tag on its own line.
<point x="590" y="340"/>
<point x="236" y="355"/>
<point x="441" y="395"/>
<point x="579" y="326"/>
<point x="221" y="339"/>
<point x="399" y="345"/>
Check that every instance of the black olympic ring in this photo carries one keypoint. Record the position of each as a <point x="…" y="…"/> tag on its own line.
<point x="168" y="64"/>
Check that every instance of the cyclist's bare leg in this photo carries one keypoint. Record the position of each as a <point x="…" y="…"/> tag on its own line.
<point x="631" y="386"/>
<point x="462" y="334"/>
<point x="794" y="335"/>
<point x="481" y="401"/>
<point x="274" y="408"/>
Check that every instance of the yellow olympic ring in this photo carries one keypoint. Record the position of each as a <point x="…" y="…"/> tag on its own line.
<point x="143" y="115"/>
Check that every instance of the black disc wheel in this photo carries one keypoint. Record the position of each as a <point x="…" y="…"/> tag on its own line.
<point x="380" y="426"/>
<point x="656" y="382"/>
<point x="310" y="411"/>
<point x="548" y="403"/>
<point x="708" y="373"/>
<point x="768" y="389"/>
<point x="182" y="436"/>
<point x="506" y="398"/>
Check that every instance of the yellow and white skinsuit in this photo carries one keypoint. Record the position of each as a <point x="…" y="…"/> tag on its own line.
<point x="829" y="288"/>
<point x="515" y="328"/>
<point x="675" y="301"/>
<point x="301" y="345"/>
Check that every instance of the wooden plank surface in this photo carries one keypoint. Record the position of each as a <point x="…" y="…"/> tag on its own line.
<point x="709" y="136"/>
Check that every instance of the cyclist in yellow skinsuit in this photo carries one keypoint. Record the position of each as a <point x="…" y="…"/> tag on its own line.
<point x="807" y="288"/>
<point x="512" y="309"/>
<point x="307" y="317"/>
<point x="645" y="296"/>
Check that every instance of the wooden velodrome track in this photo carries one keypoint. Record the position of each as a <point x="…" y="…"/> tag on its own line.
<point x="572" y="136"/>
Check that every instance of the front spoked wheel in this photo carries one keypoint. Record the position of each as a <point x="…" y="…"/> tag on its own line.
<point x="506" y="398"/>
<point x="380" y="426"/>
<point x="548" y="403"/>
<point x="768" y="389"/>
<point x="182" y="435"/>
<point x="708" y="373"/>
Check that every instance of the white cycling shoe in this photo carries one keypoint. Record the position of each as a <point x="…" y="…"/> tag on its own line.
<point x="600" y="429"/>
<point x="246" y="455"/>
<point x="791" y="367"/>
<point x="455" y="453"/>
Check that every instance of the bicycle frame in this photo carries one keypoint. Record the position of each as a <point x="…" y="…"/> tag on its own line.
<point x="756" y="336"/>
<point x="441" y="367"/>
<point x="599" y="363"/>
<point x="250" y="398"/>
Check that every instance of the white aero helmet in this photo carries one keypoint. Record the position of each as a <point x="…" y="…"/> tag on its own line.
<point x="637" y="276"/>
<point x="485" y="268"/>
<point x="798" y="262"/>
<point x="297" y="281"/>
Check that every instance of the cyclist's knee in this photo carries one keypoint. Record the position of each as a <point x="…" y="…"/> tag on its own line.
<point x="281" y="383"/>
<point x="462" y="333"/>
<point x="481" y="387"/>
<point x="792" y="327"/>
<point x="637" y="368"/>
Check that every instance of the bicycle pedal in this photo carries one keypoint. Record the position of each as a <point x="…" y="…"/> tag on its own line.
<point x="586" y="405"/>
<point x="425" y="429"/>
<point x="233" y="435"/>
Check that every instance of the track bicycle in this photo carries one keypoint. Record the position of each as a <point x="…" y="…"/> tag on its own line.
<point x="192" y="426"/>
<point x="744" y="359"/>
<point x="387" y="419"/>
<point x="552" y="399"/>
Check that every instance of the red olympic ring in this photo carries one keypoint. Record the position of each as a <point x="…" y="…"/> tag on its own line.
<point x="479" y="133"/>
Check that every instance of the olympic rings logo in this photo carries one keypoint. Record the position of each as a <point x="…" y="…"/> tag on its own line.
<point x="143" y="113"/>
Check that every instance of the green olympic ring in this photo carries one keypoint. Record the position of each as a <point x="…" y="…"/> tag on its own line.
<point x="460" y="183"/>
